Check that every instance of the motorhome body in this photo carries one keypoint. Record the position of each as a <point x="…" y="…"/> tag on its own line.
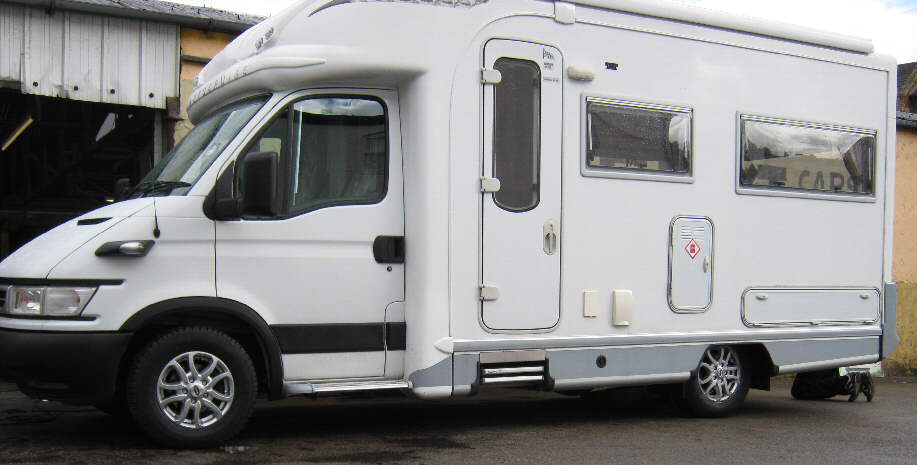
<point x="439" y="197"/>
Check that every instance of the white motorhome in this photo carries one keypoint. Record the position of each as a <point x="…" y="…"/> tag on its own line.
<point x="439" y="196"/>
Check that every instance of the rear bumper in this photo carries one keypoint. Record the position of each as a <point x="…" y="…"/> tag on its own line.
<point x="73" y="367"/>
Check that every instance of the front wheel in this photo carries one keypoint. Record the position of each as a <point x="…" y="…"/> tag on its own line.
<point x="719" y="384"/>
<point x="192" y="387"/>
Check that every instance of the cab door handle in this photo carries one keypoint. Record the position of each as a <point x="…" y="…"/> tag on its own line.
<point x="388" y="249"/>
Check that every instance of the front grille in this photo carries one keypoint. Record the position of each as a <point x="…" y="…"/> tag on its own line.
<point x="3" y="297"/>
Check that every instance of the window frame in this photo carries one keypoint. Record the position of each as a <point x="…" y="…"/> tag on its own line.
<point x="790" y="192"/>
<point x="285" y="184"/>
<point x="630" y="173"/>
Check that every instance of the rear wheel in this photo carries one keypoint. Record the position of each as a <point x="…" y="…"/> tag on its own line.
<point x="192" y="387"/>
<point x="719" y="385"/>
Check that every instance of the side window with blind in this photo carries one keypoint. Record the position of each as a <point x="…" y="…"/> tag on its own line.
<point x="517" y="134"/>
<point x="806" y="157"/>
<point x="634" y="137"/>
<point x="339" y="152"/>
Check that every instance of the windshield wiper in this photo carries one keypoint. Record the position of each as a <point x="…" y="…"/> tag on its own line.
<point x="152" y="187"/>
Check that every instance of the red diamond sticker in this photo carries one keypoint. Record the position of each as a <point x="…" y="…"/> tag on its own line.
<point x="693" y="248"/>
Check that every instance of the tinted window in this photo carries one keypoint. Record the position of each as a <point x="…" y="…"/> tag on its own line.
<point x="517" y="134"/>
<point x="340" y="152"/>
<point x="632" y="136"/>
<point x="804" y="156"/>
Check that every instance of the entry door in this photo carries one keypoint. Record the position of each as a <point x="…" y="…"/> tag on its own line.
<point x="313" y="272"/>
<point x="522" y="153"/>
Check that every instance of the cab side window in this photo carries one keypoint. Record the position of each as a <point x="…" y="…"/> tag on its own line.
<point x="335" y="150"/>
<point x="339" y="152"/>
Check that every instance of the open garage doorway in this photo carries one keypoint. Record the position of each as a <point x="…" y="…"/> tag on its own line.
<point x="61" y="158"/>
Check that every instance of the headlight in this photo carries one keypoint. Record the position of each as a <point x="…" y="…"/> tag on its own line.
<point x="47" y="301"/>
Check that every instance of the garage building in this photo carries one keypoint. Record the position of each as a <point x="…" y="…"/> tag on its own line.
<point x="92" y="91"/>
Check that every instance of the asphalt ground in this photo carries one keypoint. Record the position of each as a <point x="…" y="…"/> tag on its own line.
<point x="504" y="426"/>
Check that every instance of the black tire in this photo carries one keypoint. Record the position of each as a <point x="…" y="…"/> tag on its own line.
<point x="213" y="426"/>
<point x="702" y="401"/>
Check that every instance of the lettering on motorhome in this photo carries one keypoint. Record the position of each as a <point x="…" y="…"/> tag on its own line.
<point x="835" y="181"/>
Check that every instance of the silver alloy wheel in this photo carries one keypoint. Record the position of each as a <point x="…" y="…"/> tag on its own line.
<point x="719" y="373"/>
<point x="195" y="390"/>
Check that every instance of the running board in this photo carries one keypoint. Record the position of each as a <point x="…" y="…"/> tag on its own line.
<point x="296" y="389"/>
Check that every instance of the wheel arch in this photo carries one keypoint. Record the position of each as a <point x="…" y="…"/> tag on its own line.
<point x="759" y="360"/>
<point x="235" y="318"/>
<point x="756" y="357"/>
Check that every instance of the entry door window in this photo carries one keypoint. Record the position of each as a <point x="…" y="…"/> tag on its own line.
<point x="340" y="152"/>
<point x="517" y="134"/>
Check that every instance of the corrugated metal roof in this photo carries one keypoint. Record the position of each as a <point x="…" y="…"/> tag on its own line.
<point x="153" y="10"/>
<point x="89" y="57"/>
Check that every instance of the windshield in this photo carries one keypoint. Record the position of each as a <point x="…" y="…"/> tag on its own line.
<point x="188" y="161"/>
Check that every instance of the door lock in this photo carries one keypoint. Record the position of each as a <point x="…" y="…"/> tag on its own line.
<point x="549" y="234"/>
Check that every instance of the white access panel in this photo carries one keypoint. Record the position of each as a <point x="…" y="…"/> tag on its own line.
<point x="690" y="264"/>
<point x="778" y="307"/>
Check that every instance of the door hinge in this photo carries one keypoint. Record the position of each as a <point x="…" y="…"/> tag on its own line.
<point x="489" y="293"/>
<point x="491" y="76"/>
<point x="490" y="184"/>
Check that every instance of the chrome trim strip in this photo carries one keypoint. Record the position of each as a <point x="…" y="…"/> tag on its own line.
<point x="478" y="345"/>
<point x="292" y="389"/>
<point x="635" y="380"/>
<point x="822" y="364"/>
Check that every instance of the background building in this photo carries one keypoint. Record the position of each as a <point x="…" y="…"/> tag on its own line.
<point x="92" y="91"/>
<point x="904" y="360"/>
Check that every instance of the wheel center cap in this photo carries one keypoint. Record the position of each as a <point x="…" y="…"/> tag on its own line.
<point x="196" y="390"/>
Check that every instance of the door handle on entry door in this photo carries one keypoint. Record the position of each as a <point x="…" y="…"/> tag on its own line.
<point x="549" y="235"/>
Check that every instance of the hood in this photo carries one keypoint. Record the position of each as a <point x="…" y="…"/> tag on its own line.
<point x="38" y="257"/>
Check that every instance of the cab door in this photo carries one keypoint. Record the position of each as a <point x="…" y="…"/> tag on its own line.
<point x="323" y="272"/>
<point x="521" y="249"/>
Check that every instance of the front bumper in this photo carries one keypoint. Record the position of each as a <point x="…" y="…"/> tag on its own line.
<point x="72" y="367"/>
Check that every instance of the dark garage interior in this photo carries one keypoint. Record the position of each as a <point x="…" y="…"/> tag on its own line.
<point x="61" y="158"/>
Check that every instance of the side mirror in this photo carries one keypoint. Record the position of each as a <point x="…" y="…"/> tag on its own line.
<point x="121" y="188"/>
<point x="258" y="184"/>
